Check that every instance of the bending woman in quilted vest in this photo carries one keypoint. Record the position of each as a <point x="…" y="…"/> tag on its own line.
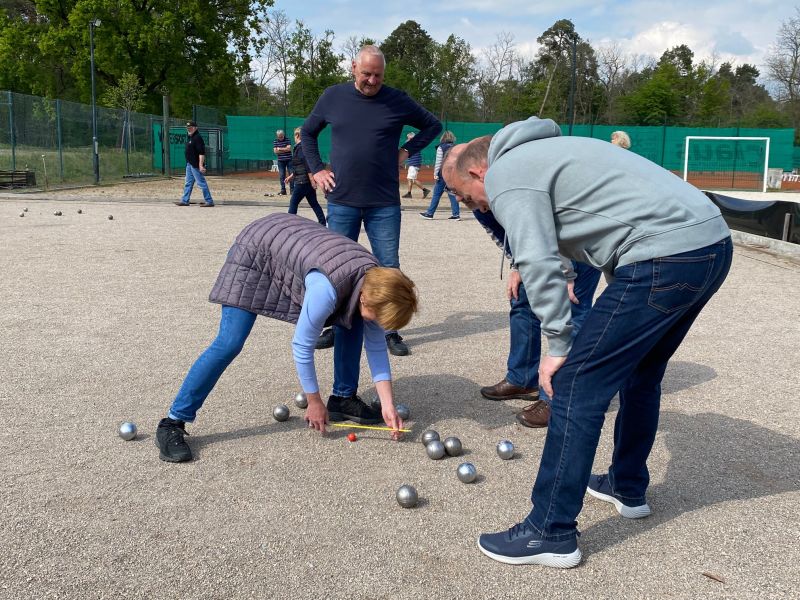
<point x="292" y="269"/>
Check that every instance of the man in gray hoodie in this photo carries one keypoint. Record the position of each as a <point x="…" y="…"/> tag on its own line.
<point x="664" y="249"/>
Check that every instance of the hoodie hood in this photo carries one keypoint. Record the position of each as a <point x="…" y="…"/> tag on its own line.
<point x="521" y="132"/>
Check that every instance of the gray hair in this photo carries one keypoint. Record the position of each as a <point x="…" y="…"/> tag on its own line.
<point x="447" y="138"/>
<point x="370" y="50"/>
<point x="621" y="139"/>
<point x="280" y="132"/>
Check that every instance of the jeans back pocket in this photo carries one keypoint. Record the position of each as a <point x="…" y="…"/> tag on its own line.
<point x="679" y="281"/>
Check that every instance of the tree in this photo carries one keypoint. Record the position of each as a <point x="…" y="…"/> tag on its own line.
<point x="409" y="52"/>
<point x="198" y="51"/>
<point x="315" y="66"/>
<point x="783" y="66"/>
<point x="276" y="59"/>
<point x="454" y="66"/>
<point x="128" y="95"/>
<point x="498" y="62"/>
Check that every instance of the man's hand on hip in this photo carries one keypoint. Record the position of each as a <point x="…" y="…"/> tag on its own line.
<point x="325" y="179"/>
<point x="547" y="368"/>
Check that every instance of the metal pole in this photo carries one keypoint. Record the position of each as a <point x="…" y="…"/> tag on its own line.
<point x="11" y="129"/>
<point x="95" y="153"/>
<point x="571" y="108"/>
<point x="126" y="132"/>
<point x="165" y="136"/>
<point x="787" y="226"/>
<point x="60" y="145"/>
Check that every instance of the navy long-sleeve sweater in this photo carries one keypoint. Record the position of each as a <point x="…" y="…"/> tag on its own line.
<point x="365" y="138"/>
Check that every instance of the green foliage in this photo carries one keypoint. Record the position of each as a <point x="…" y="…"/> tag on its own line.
<point x="315" y="66"/>
<point x="409" y="52"/>
<point x="195" y="50"/>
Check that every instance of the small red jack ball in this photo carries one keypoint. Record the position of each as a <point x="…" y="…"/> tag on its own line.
<point x="352" y="437"/>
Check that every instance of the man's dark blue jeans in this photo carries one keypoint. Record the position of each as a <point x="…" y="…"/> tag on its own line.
<point x="633" y="329"/>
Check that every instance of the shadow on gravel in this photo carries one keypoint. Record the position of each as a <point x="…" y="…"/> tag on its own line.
<point x="682" y="375"/>
<point x="457" y="325"/>
<point x="198" y="442"/>
<point x="714" y="459"/>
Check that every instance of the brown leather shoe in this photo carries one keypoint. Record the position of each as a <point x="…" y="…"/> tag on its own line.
<point x="535" y="415"/>
<point x="505" y="390"/>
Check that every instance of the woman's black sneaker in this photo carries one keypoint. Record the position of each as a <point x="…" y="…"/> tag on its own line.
<point x="170" y="442"/>
<point x="352" y="409"/>
<point x="325" y="339"/>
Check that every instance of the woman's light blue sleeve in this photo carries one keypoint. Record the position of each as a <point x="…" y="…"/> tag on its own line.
<point x="377" y="355"/>
<point x="319" y="303"/>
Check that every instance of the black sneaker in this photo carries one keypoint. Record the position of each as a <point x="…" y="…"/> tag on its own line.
<point x="395" y="344"/>
<point x="352" y="409"/>
<point x="169" y="439"/>
<point x="426" y="215"/>
<point x="407" y="195"/>
<point x="425" y="192"/>
<point x="454" y="218"/>
<point x="325" y="339"/>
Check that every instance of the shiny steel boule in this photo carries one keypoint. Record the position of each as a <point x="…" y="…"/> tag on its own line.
<point x="429" y="436"/>
<point x="452" y="446"/>
<point x="467" y="472"/>
<point x="280" y="412"/>
<point x="407" y="496"/>
<point x="403" y="411"/>
<point x="127" y="431"/>
<point x="435" y="449"/>
<point x="505" y="449"/>
<point x="301" y="401"/>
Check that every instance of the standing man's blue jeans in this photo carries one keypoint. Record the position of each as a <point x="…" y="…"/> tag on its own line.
<point x="526" y="329"/>
<point x="438" y="190"/>
<point x="235" y="325"/>
<point x="284" y="170"/>
<point x="635" y="326"/>
<point x="382" y="225"/>
<point x="194" y="175"/>
<point x="307" y="191"/>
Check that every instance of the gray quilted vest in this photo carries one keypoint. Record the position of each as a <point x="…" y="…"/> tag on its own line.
<point x="266" y="267"/>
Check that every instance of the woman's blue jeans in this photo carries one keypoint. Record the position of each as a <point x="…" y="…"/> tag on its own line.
<point x="382" y="225"/>
<point x="307" y="191"/>
<point x="438" y="190"/>
<point x="235" y="325"/>
<point x="636" y="325"/>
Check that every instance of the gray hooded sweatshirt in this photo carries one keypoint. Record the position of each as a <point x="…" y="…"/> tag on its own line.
<point x="591" y="201"/>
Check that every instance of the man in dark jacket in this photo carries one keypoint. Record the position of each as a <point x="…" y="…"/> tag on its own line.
<point x="195" y="167"/>
<point x="292" y="269"/>
<point x="304" y="186"/>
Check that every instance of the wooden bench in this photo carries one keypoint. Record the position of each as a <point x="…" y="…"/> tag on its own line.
<point x="17" y="179"/>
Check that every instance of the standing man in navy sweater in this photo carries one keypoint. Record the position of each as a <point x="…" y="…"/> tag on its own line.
<point x="366" y="120"/>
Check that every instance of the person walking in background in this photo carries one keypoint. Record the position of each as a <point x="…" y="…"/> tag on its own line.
<point x="282" y="148"/>
<point x="413" y="163"/>
<point x="195" y="153"/>
<point x="445" y="143"/>
<point x="304" y="186"/>
<point x="621" y="139"/>
<point x="362" y="187"/>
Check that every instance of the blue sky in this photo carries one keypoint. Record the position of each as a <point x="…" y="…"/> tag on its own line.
<point x="736" y="31"/>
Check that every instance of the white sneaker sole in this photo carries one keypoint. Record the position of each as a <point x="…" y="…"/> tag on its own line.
<point x="547" y="559"/>
<point x="629" y="512"/>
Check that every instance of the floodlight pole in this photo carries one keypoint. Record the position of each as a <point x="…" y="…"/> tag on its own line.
<point x="95" y="154"/>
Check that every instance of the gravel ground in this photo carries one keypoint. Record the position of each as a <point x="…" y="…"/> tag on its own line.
<point x="102" y="318"/>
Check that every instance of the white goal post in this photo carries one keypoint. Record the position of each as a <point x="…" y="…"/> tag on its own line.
<point x="690" y="138"/>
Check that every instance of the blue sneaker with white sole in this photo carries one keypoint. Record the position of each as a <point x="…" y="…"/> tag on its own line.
<point x="600" y="488"/>
<point x="521" y="545"/>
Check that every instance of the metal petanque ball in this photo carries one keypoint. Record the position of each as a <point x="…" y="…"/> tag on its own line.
<point x="407" y="496"/>
<point x="80" y="212"/>
<point x="300" y="401"/>
<point x="127" y="431"/>
<point x="110" y="217"/>
<point x="435" y="449"/>
<point x="505" y="449"/>
<point x="466" y="472"/>
<point x="22" y="214"/>
<point x="280" y="412"/>
<point x="25" y="209"/>
<point x="403" y="411"/>
<point x="452" y="446"/>
<point x="429" y="436"/>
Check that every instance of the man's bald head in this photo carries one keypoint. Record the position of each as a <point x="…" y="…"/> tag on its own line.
<point x="450" y="161"/>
